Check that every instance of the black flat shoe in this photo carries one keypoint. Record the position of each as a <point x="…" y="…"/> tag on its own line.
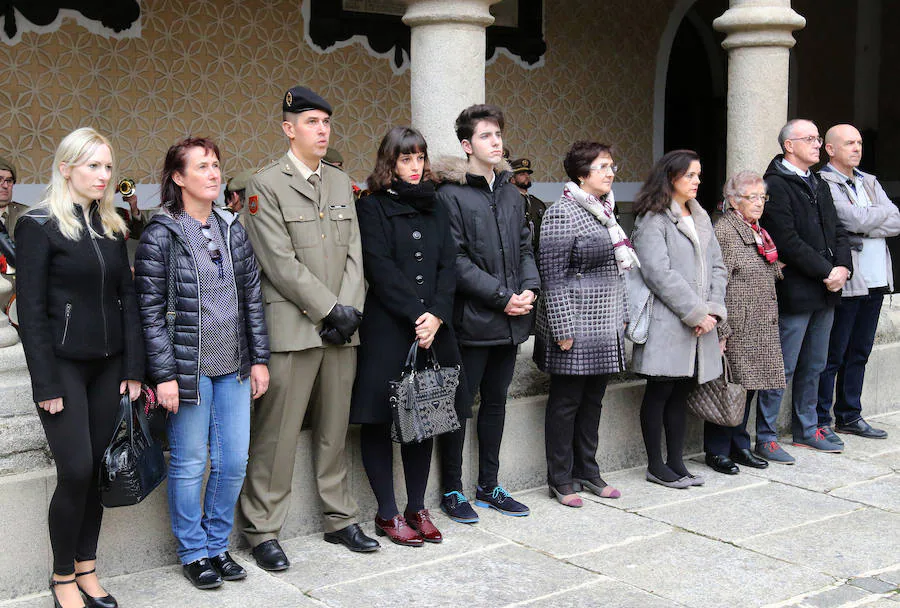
<point x="53" y="585"/>
<point x="748" y="459"/>
<point x="227" y="568"/>
<point x="353" y="538"/>
<point x="201" y="574"/>
<point x="270" y="556"/>
<point x="107" y="601"/>
<point x="862" y="428"/>
<point x="722" y="464"/>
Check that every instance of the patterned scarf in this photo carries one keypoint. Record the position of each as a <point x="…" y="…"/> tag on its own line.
<point x="603" y="210"/>
<point x="764" y="243"/>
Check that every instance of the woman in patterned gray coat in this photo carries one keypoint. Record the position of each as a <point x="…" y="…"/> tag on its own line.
<point x="750" y="335"/>
<point x="581" y="318"/>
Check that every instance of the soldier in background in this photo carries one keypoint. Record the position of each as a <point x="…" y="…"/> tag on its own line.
<point x="235" y="190"/>
<point x="534" y="207"/>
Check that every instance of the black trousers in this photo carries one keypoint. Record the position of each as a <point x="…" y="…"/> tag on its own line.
<point x="488" y="369"/>
<point x="571" y="427"/>
<point x="723" y="440"/>
<point x="377" y="452"/>
<point x="78" y="436"/>
<point x="664" y="408"/>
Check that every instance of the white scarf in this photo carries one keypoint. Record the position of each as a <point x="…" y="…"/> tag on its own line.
<point x="603" y="210"/>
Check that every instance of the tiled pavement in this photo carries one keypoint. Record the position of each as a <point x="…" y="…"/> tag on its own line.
<point x="822" y="533"/>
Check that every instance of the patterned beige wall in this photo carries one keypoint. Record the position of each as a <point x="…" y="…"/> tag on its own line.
<point x="219" y="68"/>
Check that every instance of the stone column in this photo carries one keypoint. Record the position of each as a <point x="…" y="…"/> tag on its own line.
<point x="758" y="44"/>
<point x="447" y="50"/>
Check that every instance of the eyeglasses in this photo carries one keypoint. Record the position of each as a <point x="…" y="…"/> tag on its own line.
<point x="605" y="167"/>
<point x="212" y="247"/>
<point x="7" y="181"/>
<point x="810" y="139"/>
<point x="762" y="198"/>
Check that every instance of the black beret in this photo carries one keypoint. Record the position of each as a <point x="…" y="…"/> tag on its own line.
<point x="300" y="99"/>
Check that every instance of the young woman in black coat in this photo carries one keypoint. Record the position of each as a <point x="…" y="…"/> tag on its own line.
<point x="408" y="257"/>
<point x="82" y="338"/>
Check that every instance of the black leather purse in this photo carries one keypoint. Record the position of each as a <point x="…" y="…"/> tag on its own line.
<point x="423" y="401"/>
<point x="133" y="463"/>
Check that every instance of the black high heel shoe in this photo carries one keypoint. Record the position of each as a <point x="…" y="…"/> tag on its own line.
<point x="53" y="584"/>
<point x="107" y="601"/>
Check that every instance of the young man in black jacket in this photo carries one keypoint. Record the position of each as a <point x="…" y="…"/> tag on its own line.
<point x="813" y="245"/>
<point x="497" y="284"/>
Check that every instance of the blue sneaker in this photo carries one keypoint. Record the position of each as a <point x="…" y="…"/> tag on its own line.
<point x="499" y="499"/>
<point x="457" y="508"/>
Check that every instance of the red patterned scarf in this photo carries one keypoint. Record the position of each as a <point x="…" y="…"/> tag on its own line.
<point x="764" y="243"/>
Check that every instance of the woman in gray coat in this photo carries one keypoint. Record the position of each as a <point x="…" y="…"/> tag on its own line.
<point x="579" y="339"/>
<point x="681" y="263"/>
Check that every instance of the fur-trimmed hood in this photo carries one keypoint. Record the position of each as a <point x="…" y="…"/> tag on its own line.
<point x="452" y="170"/>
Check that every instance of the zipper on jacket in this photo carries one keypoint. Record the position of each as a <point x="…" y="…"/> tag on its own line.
<point x="199" y="316"/>
<point x="102" y="286"/>
<point x="237" y="301"/>
<point x="509" y="320"/>
<point x="68" y="317"/>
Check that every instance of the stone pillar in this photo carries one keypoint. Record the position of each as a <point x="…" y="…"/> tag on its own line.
<point x="447" y="50"/>
<point x="758" y="44"/>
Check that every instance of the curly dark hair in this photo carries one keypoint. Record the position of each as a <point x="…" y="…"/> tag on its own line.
<point x="397" y="141"/>
<point x="656" y="194"/>
<point x="577" y="162"/>
<point x="176" y="158"/>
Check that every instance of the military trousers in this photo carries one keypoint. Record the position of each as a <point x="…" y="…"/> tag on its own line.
<point x="322" y="379"/>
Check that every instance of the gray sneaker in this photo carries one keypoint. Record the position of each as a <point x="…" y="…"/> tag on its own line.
<point x="773" y="452"/>
<point x="831" y="436"/>
<point x="819" y="442"/>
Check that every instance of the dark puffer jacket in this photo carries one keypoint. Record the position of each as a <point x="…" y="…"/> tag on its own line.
<point x="181" y="361"/>
<point x="494" y="259"/>
<point x="810" y="239"/>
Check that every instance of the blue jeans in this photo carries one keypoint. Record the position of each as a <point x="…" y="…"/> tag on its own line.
<point x="852" y="337"/>
<point x="219" y="426"/>
<point x="804" y="344"/>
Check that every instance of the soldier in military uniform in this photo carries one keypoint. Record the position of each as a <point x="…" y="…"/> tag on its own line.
<point x="9" y="211"/>
<point x="303" y="226"/>
<point x="534" y="207"/>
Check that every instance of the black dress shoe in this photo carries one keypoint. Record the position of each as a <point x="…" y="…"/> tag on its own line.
<point x="353" y="537"/>
<point x="107" y="601"/>
<point x="201" y="574"/>
<point x="722" y="464"/>
<point x="270" y="556"/>
<point x="861" y="428"/>
<point x="749" y="459"/>
<point x="227" y="568"/>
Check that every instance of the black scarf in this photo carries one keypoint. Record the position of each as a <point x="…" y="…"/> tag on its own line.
<point x="418" y="196"/>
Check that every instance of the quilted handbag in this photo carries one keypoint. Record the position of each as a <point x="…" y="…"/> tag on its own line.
<point x="719" y="401"/>
<point x="640" y="306"/>
<point x="423" y="401"/>
<point x="133" y="464"/>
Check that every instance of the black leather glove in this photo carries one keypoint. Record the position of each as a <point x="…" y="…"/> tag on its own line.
<point x="330" y="335"/>
<point x="345" y="319"/>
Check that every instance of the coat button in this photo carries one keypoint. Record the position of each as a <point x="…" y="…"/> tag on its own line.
<point x="420" y="279"/>
<point x="416" y="235"/>
<point x="422" y="300"/>
<point x="419" y="256"/>
<point x="301" y="217"/>
<point x="303" y="311"/>
<point x="321" y="215"/>
<point x="323" y="236"/>
<point x="578" y="275"/>
<point x="340" y="216"/>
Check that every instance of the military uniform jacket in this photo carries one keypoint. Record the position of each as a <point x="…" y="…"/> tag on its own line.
<point x="13" y="212"/>
<point x="308" y="249"/>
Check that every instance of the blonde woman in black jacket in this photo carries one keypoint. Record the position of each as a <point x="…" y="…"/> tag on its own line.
<point x="81" y="334"/>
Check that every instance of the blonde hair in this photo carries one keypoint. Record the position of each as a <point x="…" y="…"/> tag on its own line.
<point x="75" y="149"/>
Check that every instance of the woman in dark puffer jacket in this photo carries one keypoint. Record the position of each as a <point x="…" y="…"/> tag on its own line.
<point x="219" y="339"/>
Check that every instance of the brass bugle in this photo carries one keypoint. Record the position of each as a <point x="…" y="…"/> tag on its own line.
<point x="125" y="187"/>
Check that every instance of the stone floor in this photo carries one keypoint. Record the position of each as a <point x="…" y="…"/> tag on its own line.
<point x="822" y="533"/>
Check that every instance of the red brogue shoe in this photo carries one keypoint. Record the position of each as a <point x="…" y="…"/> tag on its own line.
<point x="398" y="531"/>
<point x="421" y="521"/>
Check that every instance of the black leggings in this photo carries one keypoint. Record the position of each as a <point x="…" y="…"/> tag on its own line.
<point x="78" y="436"/>
<point x="665" y="406"/>
<point x="378" y="459"/>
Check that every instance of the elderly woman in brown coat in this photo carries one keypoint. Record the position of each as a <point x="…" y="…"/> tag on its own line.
<point x="750" y="335"/>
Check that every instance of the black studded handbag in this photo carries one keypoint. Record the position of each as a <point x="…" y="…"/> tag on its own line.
<point x="133" y="464"/>
<point x="423" y="401"/>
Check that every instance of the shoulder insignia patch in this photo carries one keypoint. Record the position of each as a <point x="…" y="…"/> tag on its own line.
<point x="253" y="204"/>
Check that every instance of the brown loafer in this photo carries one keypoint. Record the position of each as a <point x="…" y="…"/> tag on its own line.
<point x="398" y="531"/>
<point x="421" y="522"/>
